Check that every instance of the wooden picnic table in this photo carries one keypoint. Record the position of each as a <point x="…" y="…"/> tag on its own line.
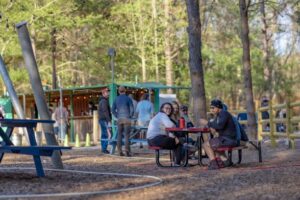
<point x="36" y="151"/>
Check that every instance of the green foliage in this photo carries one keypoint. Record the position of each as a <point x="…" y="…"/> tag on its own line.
<point x="85" y="29"/>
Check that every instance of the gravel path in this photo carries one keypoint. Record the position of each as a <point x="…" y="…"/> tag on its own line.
<point x="278" y="177"/>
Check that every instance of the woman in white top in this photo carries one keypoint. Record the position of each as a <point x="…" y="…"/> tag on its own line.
<point x="157" y="135"/>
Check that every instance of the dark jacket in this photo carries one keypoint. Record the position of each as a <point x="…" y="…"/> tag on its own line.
<point x="122" y="107"/>
<point x="104" y="109"/>
<point x="224" y="125"/>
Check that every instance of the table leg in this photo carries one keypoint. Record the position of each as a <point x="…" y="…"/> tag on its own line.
<point x="186" y="162"/>
<point x="38" y="166"/>
<point x="6" y="139"/>
<point x="200" y="157"/>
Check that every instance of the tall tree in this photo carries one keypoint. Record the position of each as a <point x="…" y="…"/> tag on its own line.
<point x="247" y="67"/>
<point x="268" y="69"/>
<point x="168" y="48"/>
<point x="155" y="38"/>
<point x="195" y="59"/>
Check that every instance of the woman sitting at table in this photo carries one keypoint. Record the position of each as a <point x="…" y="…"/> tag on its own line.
<point x="157" y="135"/>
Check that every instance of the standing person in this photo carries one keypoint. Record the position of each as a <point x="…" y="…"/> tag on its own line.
<point x="104" y="119"/>
<point x="157" y="135"/>
<point x="61" y="116"/>
<point x="144" y="111"/>
<point x="122" y="110"/>
<point x="91" y="108"/>
<point x="222" y="123"/>
<point x="134" y="102"/>
<point x="55" y="125"/>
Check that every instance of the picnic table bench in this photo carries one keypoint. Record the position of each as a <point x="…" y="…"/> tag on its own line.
<point x="36" y="151"/>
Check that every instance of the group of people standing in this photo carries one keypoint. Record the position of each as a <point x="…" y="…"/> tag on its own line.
<point x="124" y="110"/>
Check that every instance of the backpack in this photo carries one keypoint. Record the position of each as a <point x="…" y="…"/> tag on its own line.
<point x="240" y="132"/>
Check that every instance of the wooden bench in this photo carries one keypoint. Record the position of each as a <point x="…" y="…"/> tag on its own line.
<point x="36" y="151"/>
<point x="239" y="149"/>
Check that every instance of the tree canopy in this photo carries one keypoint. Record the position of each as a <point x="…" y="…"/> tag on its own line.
<point x="86" y="29"/>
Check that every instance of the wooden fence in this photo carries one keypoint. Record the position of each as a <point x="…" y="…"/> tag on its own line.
<point x="288" y="125"/>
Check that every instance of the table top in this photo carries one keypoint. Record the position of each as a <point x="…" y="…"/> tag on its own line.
<point x="22" y="122"/>
<point x="189" y="130"/>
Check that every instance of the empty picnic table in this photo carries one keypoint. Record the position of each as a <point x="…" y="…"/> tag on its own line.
<point x="36" y="151"/>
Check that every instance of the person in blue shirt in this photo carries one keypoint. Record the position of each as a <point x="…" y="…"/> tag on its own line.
<point x="122" y="110"/>
<point x="144" y="111"/>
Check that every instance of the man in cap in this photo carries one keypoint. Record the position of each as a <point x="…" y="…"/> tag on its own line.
<point x="104" y="118"/>
<point x="223" y="124"/>
<point x="123" y="110"/>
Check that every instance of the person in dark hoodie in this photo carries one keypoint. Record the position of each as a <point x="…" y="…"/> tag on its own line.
<point x="104" y="118"/>
<point x="223" y="124"/>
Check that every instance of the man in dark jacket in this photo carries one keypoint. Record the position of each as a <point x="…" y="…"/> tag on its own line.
<point x="223" y="124"/>
<point x="104" y="118"/>
<point x="123" y="110"/>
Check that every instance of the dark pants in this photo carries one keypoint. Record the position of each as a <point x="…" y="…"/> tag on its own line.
<point x="167" y="142"/>
<point x="123" y="129"/>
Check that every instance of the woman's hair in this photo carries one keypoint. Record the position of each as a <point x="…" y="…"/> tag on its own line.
<point x="163" y="105"/>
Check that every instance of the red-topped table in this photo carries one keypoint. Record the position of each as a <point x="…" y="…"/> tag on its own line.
<point x="193" y="130"/>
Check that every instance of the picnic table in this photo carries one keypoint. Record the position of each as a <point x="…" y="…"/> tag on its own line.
<point x="187" y="131"/>
<point x="36" y="151"/>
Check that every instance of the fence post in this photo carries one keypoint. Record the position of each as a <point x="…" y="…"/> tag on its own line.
<point x="272" y="125"/>
<point x="289" y="123"/>
<point x="259" y="125"/>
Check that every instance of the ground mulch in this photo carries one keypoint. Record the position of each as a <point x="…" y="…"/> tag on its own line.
<point x="278" y="177"/>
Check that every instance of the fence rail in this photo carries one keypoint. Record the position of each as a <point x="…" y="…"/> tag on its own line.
<point x="275" y="127"/>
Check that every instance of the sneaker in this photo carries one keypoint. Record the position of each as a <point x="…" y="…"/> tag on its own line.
<point x="227" y="163"/>
<point x="105" y="152"/>
<point x="121" y="154"/>
<point x="213" y="165"/>
<point x="128" y="154"/>
<point x="220" y="162"/>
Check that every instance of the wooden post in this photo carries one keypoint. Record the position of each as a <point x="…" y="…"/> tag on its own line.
<point x="95" y="127"/>
<point x="259" y="125"/>
<point x="289" y="123"/>
<point x="272" y="124"/>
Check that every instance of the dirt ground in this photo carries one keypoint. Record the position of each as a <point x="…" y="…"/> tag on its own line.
<point x="278" y="177"/>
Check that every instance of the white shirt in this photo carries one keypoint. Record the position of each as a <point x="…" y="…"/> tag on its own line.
<point x="158" y="124"/>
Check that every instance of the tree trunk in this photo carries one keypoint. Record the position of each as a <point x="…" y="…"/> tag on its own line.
<point x="53" y="43"/>
<point x="247" y="69"/>
<point x="266" y="52"/>
<point x="154" y="15"/>
<point x="195" y="60"/>
<point x="168" y="50"/>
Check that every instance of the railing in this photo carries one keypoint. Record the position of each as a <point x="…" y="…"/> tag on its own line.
<point x="290" y="122"/>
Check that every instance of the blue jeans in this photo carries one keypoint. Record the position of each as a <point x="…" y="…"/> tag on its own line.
<point x="62" y="130"/>
<point x="104" y="134"/>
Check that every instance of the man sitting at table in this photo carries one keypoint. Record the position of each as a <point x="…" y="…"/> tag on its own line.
<point x="223" y="124"/>
<point x="157" y="135"/>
